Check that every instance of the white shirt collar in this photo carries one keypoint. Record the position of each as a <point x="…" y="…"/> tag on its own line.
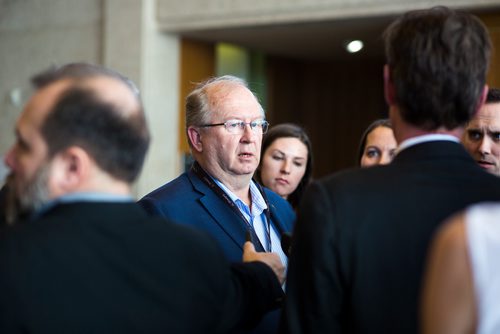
<point x="426" y="138"/>
<point x="259" y="204"/>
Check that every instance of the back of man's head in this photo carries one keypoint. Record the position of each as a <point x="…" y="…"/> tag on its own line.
<point x="102" y="113"/>
<point x="118" y="143"/>
<point x="79" y="71"/>
<point x="438" y="59"/>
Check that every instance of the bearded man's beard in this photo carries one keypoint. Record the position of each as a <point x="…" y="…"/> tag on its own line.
<point x="36" y="194"/>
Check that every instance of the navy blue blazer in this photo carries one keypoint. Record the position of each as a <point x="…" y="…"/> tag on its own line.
<point x="189" y="201"/>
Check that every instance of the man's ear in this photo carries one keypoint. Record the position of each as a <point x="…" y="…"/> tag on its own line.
<point x="390" y="96"/>
<point x="482" y="99"/>
<point x="70" y="169"/>
<point x="194" y="137"/>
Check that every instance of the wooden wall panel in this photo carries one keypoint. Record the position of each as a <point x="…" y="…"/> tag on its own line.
<point x="197" y="63"/>
<point x="492" y="22"/>
<point x="333" y="101"/>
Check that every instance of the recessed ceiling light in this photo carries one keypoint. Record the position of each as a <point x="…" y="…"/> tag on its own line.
<point x="354" y="46"/>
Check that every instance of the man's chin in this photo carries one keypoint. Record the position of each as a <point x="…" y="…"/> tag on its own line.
<point x="246" y="169"/>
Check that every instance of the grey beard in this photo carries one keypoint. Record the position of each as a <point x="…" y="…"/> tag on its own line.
<point x="36" y="193"/>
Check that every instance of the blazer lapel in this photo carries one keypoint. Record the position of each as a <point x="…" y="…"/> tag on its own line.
<point x="223" y="217"/>
<point x="281" y="224"/>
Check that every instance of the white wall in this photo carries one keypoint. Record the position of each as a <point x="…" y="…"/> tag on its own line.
<point x="178" y="16"/>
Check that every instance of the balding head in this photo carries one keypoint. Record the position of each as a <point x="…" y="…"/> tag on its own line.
<point x="104" y="116"/>
<point x="114" y="92"/>
<point x="79" y="71"/>
<point x="83" y="130"/>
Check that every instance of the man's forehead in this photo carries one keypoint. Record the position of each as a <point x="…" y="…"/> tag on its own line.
<point x="234" y="99"/>
<point x="488" y="114"/>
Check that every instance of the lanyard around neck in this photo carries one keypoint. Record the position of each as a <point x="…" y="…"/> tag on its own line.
<point x="203" y="176"/>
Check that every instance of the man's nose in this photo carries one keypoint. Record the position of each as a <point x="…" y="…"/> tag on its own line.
<point x="9" y="159"/>
<point x="485" y="145"/>
<point x="248" y="134"/>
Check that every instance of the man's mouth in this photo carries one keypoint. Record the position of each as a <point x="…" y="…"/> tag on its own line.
<point x="245" y="155"/>
<point x="486" y="164"/>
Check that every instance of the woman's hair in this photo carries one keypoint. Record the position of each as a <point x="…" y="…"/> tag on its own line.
<point x="362" y="144"/>
<point x="289" y="130"/>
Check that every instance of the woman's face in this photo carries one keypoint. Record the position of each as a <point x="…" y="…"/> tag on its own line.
<point x="380" y="147"/>
<point x="283" y="165"/>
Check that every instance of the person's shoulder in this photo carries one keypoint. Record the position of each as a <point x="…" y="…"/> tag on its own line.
<point x="451" y="233"/>
<point x="278" y="201"/>
<point x="172" y="199"/>
<point x="356" y="177"/>
<point x="274" y="197"/>
<point x="171" y="189"/>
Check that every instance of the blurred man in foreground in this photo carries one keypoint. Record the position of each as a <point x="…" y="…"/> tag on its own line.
<point x="89" y="259"/>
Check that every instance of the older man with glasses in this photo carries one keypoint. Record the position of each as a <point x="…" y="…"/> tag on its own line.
<point x="224" y="127"/>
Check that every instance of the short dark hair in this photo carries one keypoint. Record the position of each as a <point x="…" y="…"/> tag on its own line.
<point x="362" y="143"/>
<point x="116" y="142"/>
<point x="493" y="95"/>
<point x="290" y="130"/>
<point x="438" y="59"/>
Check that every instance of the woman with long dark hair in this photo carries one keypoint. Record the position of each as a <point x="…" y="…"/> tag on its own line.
<point x="286" y="161"/>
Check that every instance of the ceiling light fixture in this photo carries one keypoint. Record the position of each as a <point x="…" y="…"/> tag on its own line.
<point x="354" y="46"/>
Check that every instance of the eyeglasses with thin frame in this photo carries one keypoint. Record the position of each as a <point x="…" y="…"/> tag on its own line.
<point x="236" y="126"/>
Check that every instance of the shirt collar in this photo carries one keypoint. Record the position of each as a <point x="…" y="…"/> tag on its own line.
<point x="83" y="197"/>
<point x="424" y="139"/>
<point x="258" y="202"/>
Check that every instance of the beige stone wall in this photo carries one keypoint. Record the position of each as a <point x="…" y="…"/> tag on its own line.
<point x="121" y="34"/>
<point x="35" y="35"/>
<point x="177" y="15"/>
<point x="160" y="88"/>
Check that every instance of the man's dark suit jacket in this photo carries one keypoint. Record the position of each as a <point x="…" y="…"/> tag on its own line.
<point x="189" y="201"/>
<point x="90" y="267"/>
<point x="361" y="239"/>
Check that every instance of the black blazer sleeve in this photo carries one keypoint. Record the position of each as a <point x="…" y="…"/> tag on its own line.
<point x="312" y="287"/>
